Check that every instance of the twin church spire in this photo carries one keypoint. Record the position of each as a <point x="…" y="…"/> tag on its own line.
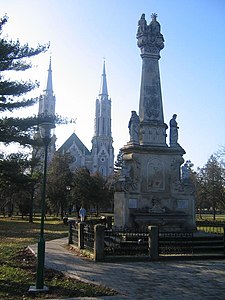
<point x="49" y="88"/>
<point x="103" y="104"/>
<point x="103" y="109"/>
<point x="103" y="88"/>
<point x="101" y="157"/>
<point x="47" y="100"/>
<point x="102" y="149"/>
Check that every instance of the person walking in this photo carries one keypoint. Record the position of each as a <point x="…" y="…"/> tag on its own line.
<point x="82" y="214"/>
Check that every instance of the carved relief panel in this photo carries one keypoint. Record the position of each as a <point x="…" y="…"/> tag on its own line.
<point x="155" y="175"/>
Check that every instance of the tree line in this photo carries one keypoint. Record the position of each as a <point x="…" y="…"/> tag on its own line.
<point x="210" y="186"/>
<point x="67" y="191"/>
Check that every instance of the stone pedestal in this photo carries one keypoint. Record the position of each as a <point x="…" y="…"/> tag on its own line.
<point x="151" y="192"/>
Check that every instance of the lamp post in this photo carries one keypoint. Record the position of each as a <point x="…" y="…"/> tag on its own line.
<point x="45" y="133"/>
<point x="68" y="188"/>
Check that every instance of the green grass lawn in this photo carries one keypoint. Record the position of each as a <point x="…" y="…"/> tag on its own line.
<point x="18" y="265"/>
<point x="209" y="217"/>
<point x="212" y="227"/>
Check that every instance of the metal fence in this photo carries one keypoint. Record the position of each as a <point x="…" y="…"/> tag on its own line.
<point x="73" y="233"/>
<point x="147" y="243"/>
<point x="74" y="229"/>
<point x="175" y="243"/>
<point x="89" y="238"/>
<point x="81" y="235"/>
<point x="124" y="241"/>
<point x="191" y="244"/>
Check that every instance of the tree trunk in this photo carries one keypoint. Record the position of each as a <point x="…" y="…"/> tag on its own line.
<point x="200" y="211"/>
<point x="214" y="213"/>
<point x="31" y="208"/>
<point x="62" y="211"/>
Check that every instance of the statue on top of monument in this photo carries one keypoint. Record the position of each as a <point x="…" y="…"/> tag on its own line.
<point x="154" y="26"/>
<point x="133" y="126"/>
<point x="149" y="36"/>
<point x="173" y="131"/>
<point x="142" y="25"/>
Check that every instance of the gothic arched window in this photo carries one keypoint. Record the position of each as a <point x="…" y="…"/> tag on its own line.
<point x="102" y="171"/>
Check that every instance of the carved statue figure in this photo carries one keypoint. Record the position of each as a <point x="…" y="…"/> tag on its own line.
<point x="173" y="131"/>
<point x="133" y="126"/>
<point x="154" y="25"/>
<point x="149" y="36"/>
<point x="142" y="25"/>
<point x="186" y="170"/>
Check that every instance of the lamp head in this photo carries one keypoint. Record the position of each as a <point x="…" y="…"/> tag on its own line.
<point x="45" y="128"/>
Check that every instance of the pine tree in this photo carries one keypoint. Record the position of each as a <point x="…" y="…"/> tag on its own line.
<point x="14" y="57"/>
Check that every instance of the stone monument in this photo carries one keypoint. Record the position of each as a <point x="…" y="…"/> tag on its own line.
<point x="151" y="189"/>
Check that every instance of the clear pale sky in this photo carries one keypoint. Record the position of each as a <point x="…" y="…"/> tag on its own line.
<point x="82" y="32"/>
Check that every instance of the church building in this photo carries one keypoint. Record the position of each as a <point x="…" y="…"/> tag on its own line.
<point x="101" y="157"/>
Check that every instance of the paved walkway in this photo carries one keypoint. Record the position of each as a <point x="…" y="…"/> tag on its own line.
<point x="165" y="280"/>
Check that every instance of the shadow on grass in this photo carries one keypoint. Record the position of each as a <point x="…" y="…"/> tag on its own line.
<point x="17" y="228"/>
<point x="18" y="265"/>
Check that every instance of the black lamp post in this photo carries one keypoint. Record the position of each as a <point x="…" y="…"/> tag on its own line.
<point x="68" y="188"/>
<point x="45" y="133"/>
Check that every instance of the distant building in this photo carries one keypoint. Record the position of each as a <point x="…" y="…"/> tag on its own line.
<point x="101" y="157"/>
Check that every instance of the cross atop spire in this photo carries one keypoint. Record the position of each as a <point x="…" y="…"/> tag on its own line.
<point x="103" y="88"/>
<point x="49" y="89"/>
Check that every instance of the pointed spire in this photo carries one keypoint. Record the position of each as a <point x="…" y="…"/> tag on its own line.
<point x="49" y="89"/>
<point x="103" y="88"/>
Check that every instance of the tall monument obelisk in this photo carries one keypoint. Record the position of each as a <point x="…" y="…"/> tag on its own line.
<point x="150" y="190"/>
<point x="151" y="42"/>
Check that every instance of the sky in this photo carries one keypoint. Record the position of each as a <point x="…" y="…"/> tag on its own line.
<point x="82" y="33"/>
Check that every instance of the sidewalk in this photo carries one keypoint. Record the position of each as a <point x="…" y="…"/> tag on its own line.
<point x="167" y="280"/>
